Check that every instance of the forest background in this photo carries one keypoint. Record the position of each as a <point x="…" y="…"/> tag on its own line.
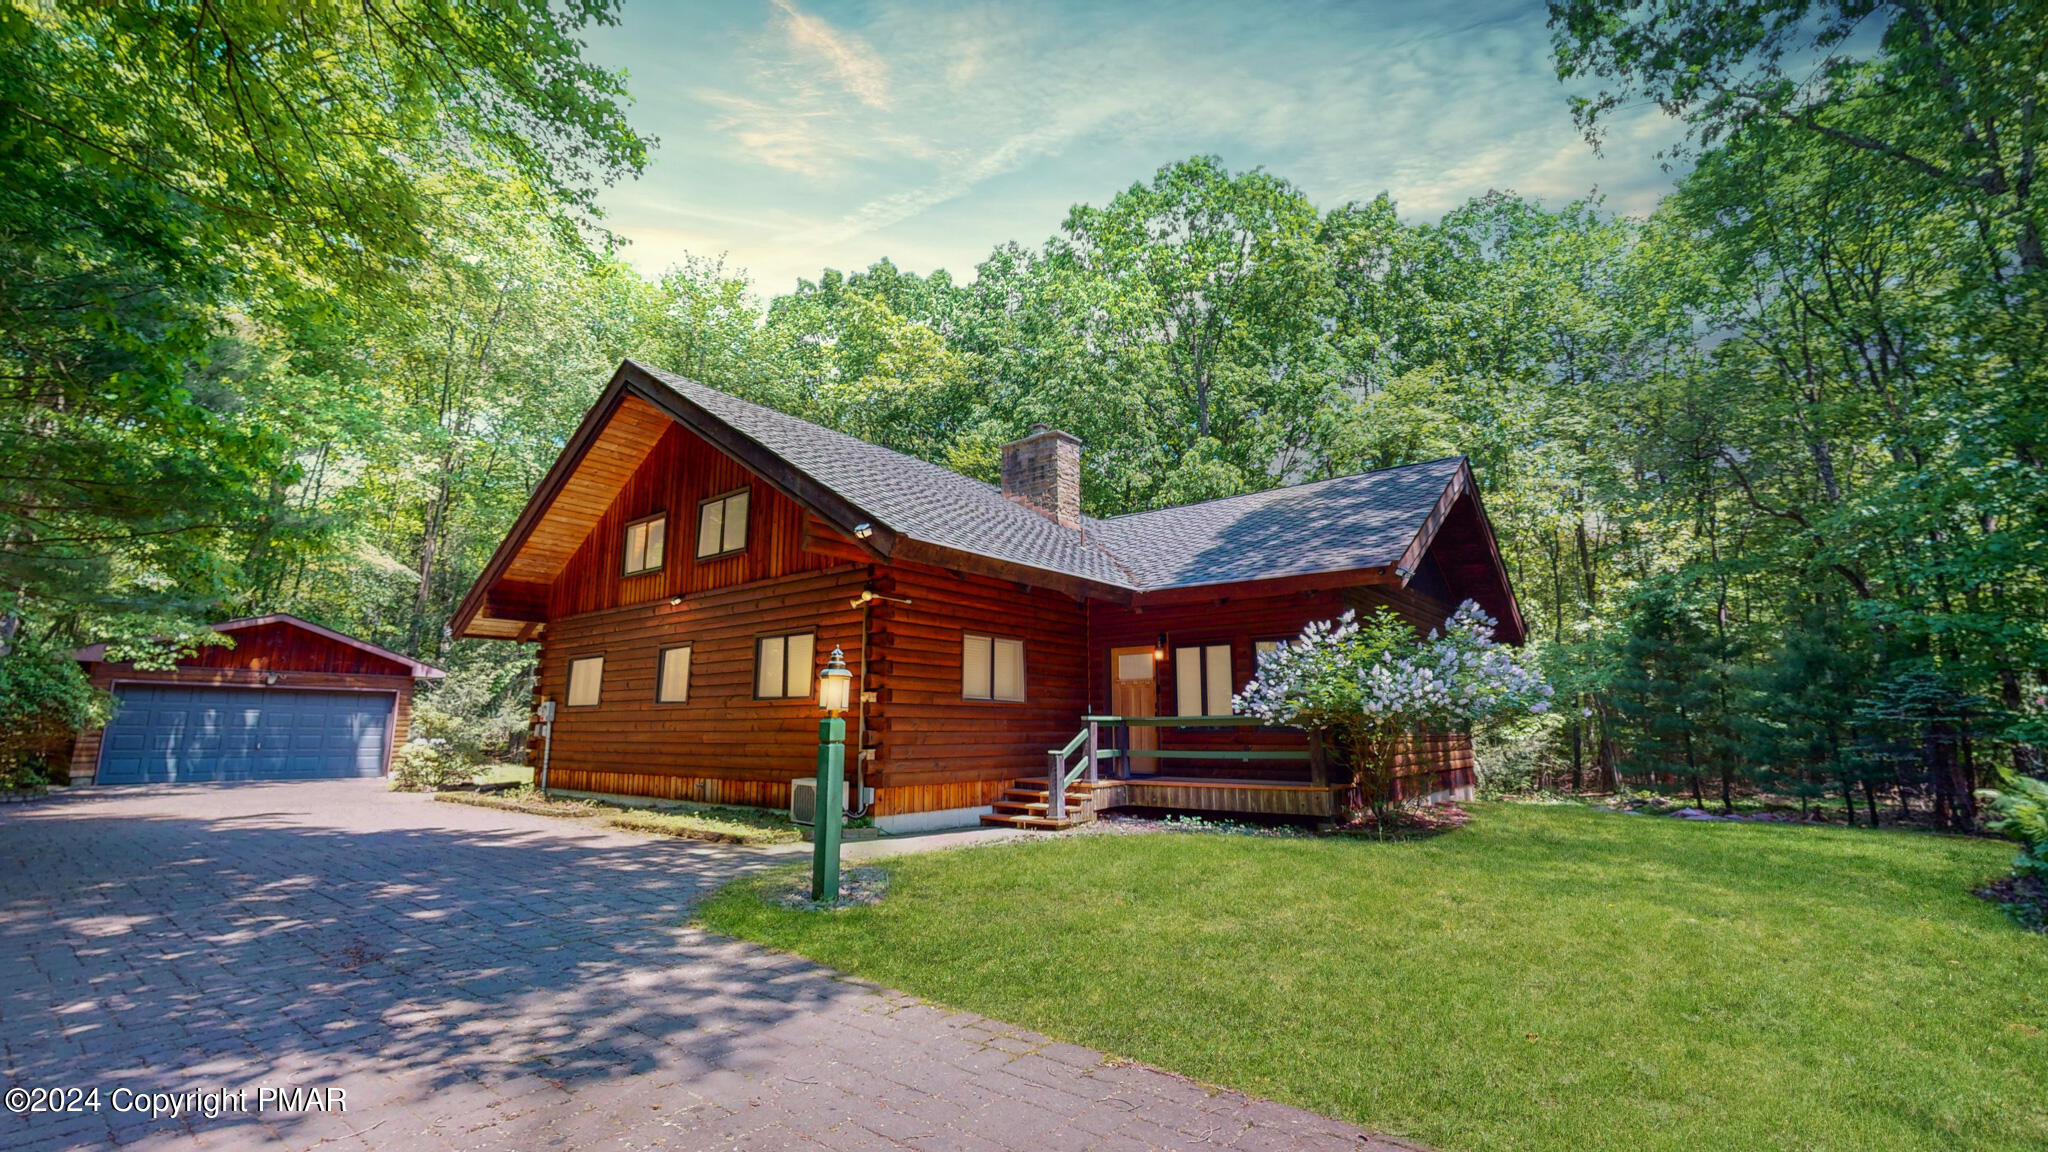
<point x="299" y="302"/>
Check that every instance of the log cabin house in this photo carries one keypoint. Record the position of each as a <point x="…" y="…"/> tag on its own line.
<point x="691" y="559"/>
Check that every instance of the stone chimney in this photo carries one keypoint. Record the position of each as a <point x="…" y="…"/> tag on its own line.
<point x="1043" y="472"/>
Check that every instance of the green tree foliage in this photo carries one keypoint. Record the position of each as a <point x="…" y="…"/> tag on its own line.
<point x="1767" y="465"/>
<point x="2021" y="811"/>
<point x="44" y="699"/>
<point x="199" y="193"/>
<point x="1670" y="692"/>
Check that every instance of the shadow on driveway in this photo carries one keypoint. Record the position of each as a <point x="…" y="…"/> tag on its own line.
<point x="479" y="979"/>
<point x="417" y="955"/>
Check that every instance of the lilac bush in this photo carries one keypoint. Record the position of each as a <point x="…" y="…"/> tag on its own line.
<point x="1368" y="685"/>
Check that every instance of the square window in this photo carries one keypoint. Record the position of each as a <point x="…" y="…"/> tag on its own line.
<point x="782" y="666"/>
<point x="991" y="668"/>
<point x="722" y="525"/>
<point x="586" y="681"/>
<point x="646" y="544"/>
<point x="672" y="676"/>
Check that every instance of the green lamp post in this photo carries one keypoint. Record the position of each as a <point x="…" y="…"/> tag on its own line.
<point x="835" y="685"/>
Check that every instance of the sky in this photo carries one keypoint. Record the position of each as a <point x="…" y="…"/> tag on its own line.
<point x="798" y="135"/>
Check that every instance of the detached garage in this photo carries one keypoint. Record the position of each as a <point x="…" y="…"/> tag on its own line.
<point x="289" y="700"/>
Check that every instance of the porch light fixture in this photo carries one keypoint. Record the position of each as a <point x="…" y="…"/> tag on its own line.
<point x="675" y="601"/>
<point x="834" y="685"/>
<point x="1159" y="647"/>
<point x="863" y="530"/>
<point x="869" y="596"/>
<point x="1403" y="573"/>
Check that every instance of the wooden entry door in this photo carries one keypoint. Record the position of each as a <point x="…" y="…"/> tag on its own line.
<point x="1134" y="691"/>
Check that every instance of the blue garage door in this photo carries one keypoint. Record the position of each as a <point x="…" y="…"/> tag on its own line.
<point x="165" y="733"/>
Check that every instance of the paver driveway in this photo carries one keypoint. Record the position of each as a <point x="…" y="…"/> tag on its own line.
<point x="480" y="979"/>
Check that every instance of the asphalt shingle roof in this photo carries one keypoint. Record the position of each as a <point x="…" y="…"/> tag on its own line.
<point x="920" y="499"/>
<point x="1335" y="525"/>
<point x="1349" y="522"/>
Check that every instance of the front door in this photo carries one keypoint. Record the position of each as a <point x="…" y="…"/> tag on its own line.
<point x="1134" y="691"/>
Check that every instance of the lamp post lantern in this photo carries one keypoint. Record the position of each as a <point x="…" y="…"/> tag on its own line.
<point x="834" y="687"/>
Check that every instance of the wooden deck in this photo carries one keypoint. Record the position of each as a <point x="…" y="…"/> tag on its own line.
<point x="1099" y="770"/>
<point x="1195" y="794"/>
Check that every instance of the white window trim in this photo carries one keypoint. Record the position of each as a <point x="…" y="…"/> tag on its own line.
<point x="597" y="685"/>
<point x="992" y="646"/>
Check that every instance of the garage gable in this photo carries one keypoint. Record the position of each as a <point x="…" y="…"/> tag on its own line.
<point x="287" y="700"/>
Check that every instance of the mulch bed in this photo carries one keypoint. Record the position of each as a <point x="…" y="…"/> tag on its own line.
<point x="573" y="809"/>
<point x="1138" y="823"/>
<point x="1415" y="823"/>
<point x="857" y="887"/>
<point x="2024" y="898"/>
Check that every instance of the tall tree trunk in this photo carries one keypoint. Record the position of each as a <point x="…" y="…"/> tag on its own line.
<point x="1578" y="751"/>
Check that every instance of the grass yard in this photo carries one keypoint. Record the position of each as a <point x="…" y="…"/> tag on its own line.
<point x="505" y="774"/>
<point x="1545" y="978"/>
<point x="721" y="823"/>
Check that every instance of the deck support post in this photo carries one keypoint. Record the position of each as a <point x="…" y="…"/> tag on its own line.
<point x="1094" y="742"/>
<point x="1055" y="788"/>
<point x="1318" y="762"/>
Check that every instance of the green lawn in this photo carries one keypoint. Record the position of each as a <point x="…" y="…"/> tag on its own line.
<point x="1546" y="978"/>
<point x="724" y="823"/>
<point x="505" y="774"/>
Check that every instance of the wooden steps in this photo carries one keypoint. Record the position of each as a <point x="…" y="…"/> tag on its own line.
<point x="1026" y="802"/>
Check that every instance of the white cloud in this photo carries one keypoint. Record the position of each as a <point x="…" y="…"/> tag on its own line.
<point x="849" y="57"/>
<point x="929" y="134"/>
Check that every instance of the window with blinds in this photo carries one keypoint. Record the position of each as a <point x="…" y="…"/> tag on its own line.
<point x="991" y="668"/>
<point x="1201" y="680"/>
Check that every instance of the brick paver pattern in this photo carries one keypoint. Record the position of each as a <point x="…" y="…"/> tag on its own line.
<point x="474" y="979"/>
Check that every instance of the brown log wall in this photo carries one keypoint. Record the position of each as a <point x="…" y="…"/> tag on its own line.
<point x="929" y="735"/>
<point x="934" y="749"/>
<point x="721" y="733"/>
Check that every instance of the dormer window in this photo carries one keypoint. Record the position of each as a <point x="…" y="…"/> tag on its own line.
<point x="722" y="525"/>
<point x="646" y="542"/>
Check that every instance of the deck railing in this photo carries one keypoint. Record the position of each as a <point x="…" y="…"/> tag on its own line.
<point x="1063" y="768"/>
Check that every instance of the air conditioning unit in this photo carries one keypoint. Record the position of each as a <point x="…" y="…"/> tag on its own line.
<point x="803" y="800"/>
